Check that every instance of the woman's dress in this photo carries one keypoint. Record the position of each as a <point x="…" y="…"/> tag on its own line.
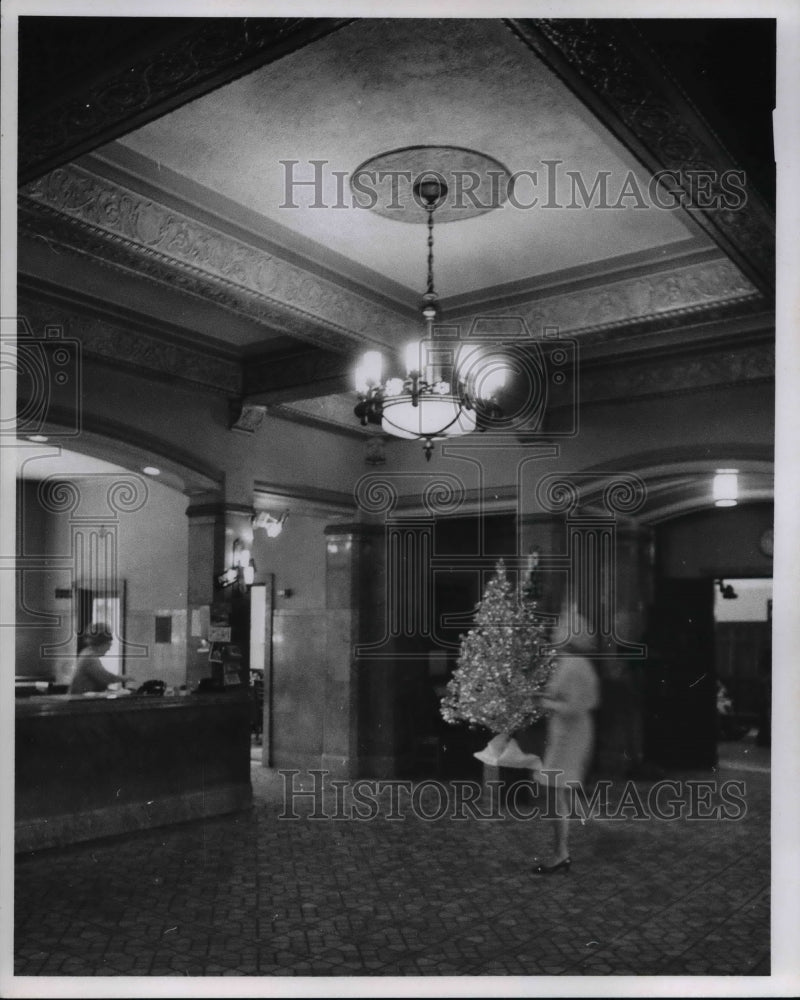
<point x="570" y="727"/>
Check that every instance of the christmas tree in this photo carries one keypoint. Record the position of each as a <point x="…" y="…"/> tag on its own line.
<point x="504" y="659"/>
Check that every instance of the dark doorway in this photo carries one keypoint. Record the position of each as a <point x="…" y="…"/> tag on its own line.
<point x="474" y="544"/>
<point x="680" y="676"/>
<point x="742" y="615"/>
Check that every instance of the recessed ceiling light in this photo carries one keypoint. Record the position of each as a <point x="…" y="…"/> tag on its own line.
<point x="151" y="470"/>
<point x="38" y="438"/>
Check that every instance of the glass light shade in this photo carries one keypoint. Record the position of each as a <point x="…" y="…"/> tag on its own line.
<point x="726" y="489"/>
<point x="467" y="359"/>
<point x="433" y="416"/>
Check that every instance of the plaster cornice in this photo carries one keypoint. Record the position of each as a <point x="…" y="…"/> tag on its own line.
<point x="111" y="340"/>
<point x="91" y="215"/>
<point x="677" y="292"/>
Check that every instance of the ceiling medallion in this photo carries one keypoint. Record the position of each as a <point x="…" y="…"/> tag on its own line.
<point x="473" y="183"/>
<point x="447" y="391"/>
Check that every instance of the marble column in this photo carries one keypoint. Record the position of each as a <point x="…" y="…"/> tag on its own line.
<point x="358" y="715"/>
<point x="216" y="529"/>
<point x="621" y="713"/>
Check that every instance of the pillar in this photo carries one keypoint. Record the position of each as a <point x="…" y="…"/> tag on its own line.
<point x="358" y="728"/>
<point x="217" y="530"/>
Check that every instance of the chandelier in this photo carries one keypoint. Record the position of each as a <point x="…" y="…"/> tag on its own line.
<point x="445" y="392"/>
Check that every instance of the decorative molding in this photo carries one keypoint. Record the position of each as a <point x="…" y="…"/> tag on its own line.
<point x="153" y="82"/>
<point x="375" y="452"/>
<point x="92" y="216"/>
<point x="304" y="499"/>
<point x="677" y="292"/>
<point x="122" y="444"/>
<point x="718" y="325"/>
<point x="730" y="365"/>
<point x="245" y="417"/>
<point x="610" y="67"/>
<point x="124" y="166"/>
<point x="640" y="263"/>
<point x="123" y="346"/>
<point x="116" y="225"/>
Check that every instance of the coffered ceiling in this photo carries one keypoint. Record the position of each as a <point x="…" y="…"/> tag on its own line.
<point x="341" y="101"/>
<point x="154" y="210"/>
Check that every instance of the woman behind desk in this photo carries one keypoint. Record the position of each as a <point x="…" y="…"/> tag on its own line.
<point x="90" y="675"/>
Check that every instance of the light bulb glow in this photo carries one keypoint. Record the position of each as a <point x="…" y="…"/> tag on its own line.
<point x="369" y="372"/>
<point x="490" y="381"/>
<point x="726" y="489"/>
<point x="394" y="386"/>
<point x="372" y="365"/>
<point x="411" y="354"/>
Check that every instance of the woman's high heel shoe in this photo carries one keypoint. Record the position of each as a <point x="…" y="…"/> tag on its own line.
<point x="559" y="866"/>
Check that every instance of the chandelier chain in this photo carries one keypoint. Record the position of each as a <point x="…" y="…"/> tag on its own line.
<point x="430" y="290"/>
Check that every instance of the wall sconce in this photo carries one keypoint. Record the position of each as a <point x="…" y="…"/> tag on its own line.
<point x="533" y="587"/>
<point x="726" y="487"/>
<point x="242" y="569"/>
<point x="272" y="525"/>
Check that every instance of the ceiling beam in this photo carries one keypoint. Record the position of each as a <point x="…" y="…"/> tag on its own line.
<point x="175" y="61"/>
<point x="300" y="375"/>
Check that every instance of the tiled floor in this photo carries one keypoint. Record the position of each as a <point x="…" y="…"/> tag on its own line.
<point x="257" y="895"/>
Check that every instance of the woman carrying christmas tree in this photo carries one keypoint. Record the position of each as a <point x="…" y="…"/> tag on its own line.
<point x="569" y="698"/>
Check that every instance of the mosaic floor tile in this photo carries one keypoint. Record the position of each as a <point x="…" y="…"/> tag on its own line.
<point x="253" y="895"/>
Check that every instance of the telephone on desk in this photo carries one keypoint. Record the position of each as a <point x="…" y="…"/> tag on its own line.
<point x="152" y="688"/>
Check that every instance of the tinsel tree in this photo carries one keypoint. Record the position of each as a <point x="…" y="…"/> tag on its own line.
<point x="504" y="658"/>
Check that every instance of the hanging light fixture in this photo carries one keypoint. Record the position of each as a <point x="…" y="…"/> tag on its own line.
<point x="726" y="487"/>
<point x="272" y="525"/>
<point x="443" y="392"/>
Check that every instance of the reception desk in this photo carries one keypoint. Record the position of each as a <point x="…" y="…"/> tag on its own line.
<point x="90" y="767"/>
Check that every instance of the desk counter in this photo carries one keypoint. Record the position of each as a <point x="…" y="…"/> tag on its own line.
<point x="90" y="767"/>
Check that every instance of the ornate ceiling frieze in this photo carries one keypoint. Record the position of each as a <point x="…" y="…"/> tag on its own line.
<point x="677" y="292"/>
<point x="731" y="365"/>
<point x="119" y="227"/>
<point x="616" y="75"/>
<point x="125" y="347"/>
<point x="85" y="214"/>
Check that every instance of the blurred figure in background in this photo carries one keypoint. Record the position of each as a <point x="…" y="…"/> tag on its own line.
<point x="570" y="698"/>
<point x="90" y="675"/>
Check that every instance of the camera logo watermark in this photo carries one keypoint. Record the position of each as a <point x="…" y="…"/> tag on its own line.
<point x="48" y="372"/>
